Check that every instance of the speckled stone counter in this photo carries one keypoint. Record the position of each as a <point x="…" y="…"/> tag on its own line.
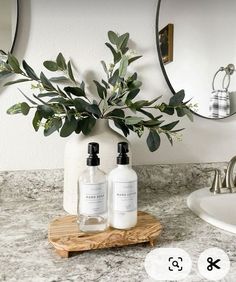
<point x="30" y="200"/>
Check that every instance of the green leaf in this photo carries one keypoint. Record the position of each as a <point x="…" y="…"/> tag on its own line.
<point x="59" y="79"/>
<point x="68" y="127"/>
<point x="132" y="94"/>
<point x="124" y="50"/>
<point x="149" y="103"/>
<point x="25" y="108"/>
<point x="93" y="109"/>
<point x="131" y="60"/>
<point x="61" y="92"/>
<point x="75" y="91"/>
<point x="105" y="67"/>
<point x="45" y="111"/>
<point x="186" y="102"/>
<point x="113" y="37"/>
<point x="30" y="72"/>
<point x="123" y="66"/>
<point x="189" y="114"/>
<point x="105" y="84"/>
<point x="53" y="125"/>
<point x="113" y="79"/>
<point x="116" y="55"/>
<point x="139" y="104"/>
<point x="51" y="65"/>
<point x="133" y="77"/>
<point x="62" y="101"/>
<point x="70" y="72"/>
<point x="177" y="98"/>
<point x="116" y="113"/>
<point x="59" y="109"/>
<point x="61" y="62"/>
<point x="146" y="113"/>
<point x="83" y="106"/>
<point x="16" y="81"/>
<point x="80" y="104"/>
<point x="20" y="108"/>
<point x="102" y="92"/>
<point x="15" y="109"/>
<point x="78" y="128"/>
<point x="177" y="130"/>
<point x="87" y="125"/>
<point x="180" y="112"/>
<point x="136" y="84"/>
<point x="122" y="126"/>
<point x="112" y="100"/>
<point x="13" y="62"/>
<point x="47" y="85"/>
<point x="122" y="41"/>
<point x="153" y="140"/>
<point x="166" y="109"/>
<point x="169" y="138"/>
<point x="48" y="94"/>
<point x="132" y="120"/>
<point x="152" y="123"/>
<point x="36" y="120"/>
<point x="169" y="126"/>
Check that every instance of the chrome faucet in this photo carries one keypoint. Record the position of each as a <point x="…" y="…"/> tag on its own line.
<point x="217" y="181"/>
<point x="228" y="185"/>
<point x="229" y="175"/>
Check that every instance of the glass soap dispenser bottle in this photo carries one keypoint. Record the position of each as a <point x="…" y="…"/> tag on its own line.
<point x="93" y="194"/>
<point x="122" y="192"/>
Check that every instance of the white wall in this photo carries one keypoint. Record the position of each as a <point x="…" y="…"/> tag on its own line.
<point x="78" y="29"/>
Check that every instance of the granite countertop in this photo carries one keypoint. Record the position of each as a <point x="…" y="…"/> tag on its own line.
<point x="30" y="200"/>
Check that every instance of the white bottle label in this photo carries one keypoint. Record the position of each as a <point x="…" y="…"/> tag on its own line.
<point x="93" y="199"/>
<point x="125" y="196"/>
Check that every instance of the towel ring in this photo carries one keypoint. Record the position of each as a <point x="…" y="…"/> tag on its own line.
<point x="229" y="70"/>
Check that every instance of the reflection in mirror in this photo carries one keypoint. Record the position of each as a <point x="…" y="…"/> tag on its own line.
<point x="8" y="24"/>
<point x="204" y="53"/>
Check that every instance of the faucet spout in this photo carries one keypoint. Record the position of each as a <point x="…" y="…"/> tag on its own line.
<point x="229" y="179"/>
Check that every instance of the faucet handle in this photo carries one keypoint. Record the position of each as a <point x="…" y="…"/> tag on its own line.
<point x="217" y="181"/>
<point x="224" y="181"/>
<point x="229" y="180"/>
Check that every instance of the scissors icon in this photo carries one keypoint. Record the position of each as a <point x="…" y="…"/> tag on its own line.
<point x="212" y="264"/>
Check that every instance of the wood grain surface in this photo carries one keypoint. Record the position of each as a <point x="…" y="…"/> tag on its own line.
<point x="64" y="234"/>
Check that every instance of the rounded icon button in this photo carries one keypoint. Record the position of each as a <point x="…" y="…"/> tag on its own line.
<point x="168" y="264"/>
<point x="213" y="264"/>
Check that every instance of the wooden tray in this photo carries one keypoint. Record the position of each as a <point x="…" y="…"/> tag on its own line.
<point x="65" y="236"/>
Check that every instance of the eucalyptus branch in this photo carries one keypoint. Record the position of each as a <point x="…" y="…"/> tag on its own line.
<point x="68" y="109"/>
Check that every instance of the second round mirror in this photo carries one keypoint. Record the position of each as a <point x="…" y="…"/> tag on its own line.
<point x="203" y="46"/>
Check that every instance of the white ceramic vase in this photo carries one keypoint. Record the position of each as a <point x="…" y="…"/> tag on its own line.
<point x="76" y="152"/>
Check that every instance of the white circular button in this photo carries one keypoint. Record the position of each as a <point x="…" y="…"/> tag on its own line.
<point x="213" y="264"/>
<point x="168" y="264"/>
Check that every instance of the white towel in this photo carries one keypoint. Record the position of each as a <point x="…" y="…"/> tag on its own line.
<point x="219" y="104"/>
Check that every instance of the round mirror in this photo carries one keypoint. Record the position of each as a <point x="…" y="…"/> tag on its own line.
<point x="8" y="25"/>
<point x="197" y="51"/>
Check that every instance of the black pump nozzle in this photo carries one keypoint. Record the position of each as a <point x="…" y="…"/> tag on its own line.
<point x="93" y="150"/>
<point x="123" y="148"/>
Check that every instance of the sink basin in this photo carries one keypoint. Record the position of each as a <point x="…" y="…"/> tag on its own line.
<point x="218" y="210"/>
